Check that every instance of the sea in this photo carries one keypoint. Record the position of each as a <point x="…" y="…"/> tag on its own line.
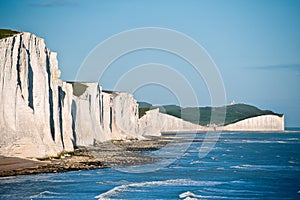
<point x="230" y="165"/>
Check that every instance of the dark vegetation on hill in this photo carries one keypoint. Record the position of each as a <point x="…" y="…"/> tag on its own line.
<point x="202" y="115"/>
<point x="7" y="33"/>
<point x="144" y="107"/>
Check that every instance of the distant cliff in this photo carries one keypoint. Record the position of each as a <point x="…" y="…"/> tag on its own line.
<point x="259" y="123"/>
<point x="202" y="115"/>
<point x="154" y="122"/>
<point x="238" y="117"/>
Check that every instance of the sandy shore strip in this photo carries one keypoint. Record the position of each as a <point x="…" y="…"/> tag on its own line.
<point x="80" y="159"/>
<point x="14" y="163"/>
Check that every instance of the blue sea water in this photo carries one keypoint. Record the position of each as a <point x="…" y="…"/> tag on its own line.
<point x="239" y="166"/>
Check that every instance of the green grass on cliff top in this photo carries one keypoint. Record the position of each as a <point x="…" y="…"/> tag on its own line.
<point x="7" y="33"/>
<point x="202" y="115"/>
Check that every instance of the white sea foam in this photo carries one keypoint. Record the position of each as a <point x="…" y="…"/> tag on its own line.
<point x="213" y="158"/>
<point x="237" y="181"/>
<point x="176" y="167"/>
<point x="189" y="194"/>
<point x="45" y="193"/>
<point x="174" y="182"/>
<point x="263" y="167"/>
<point x="282" y="142"/>
<point x="273" y="141"/>
<point x="255" y="141"/>
<point x="190" y="198"/>
<point x="258" y="141"/>
<point x="241" y="166"/>
<point x="196" y="162"/>
<point x="292" y="139"/>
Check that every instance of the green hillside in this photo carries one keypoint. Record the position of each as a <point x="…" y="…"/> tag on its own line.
<point x="143" y="108"/>
<point x="202" y="115"/>
<point x="7" y="33"/>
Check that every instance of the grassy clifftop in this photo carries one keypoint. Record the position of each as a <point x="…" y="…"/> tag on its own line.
<point x="7" y="33"/>
<point x="202" y="115"/>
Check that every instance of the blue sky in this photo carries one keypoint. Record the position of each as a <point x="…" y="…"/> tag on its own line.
<point x="255" y="44"/>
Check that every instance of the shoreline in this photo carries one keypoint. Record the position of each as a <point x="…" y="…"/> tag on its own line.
<point x="115" y="153"/>
<point x="102" y="155"/>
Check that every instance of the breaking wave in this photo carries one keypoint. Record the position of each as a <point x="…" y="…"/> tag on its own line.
<point x="174" y="182"/>
<point x="44" y="194"/>
<point x="265" y="167"/>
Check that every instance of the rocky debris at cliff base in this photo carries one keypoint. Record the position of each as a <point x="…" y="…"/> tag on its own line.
<point x="125" y="152"/>
<point x="101" y="155"/>
<point x="80" y="159"/>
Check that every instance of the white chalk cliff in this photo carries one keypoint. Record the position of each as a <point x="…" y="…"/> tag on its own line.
<point x="35" y="111"/>
<point x="41" y="115"/>
<point x="153" y="123"/>
<point x="259" y="123"/>
<point x="101" y="116"/>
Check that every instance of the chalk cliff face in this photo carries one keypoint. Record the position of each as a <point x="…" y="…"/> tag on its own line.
<point x="153" y="123"/>
<point x="86" y="112"/>
<point x="125" y="115"/>
<point x="101" y="116"/>
<point x="35" y="115"/>
<point x="260" y="123"/>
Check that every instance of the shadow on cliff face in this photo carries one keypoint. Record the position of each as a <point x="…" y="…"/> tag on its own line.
<point x="61" y="98"/>
<point x="73" y="112"/>
<point x="51" y="119"/>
